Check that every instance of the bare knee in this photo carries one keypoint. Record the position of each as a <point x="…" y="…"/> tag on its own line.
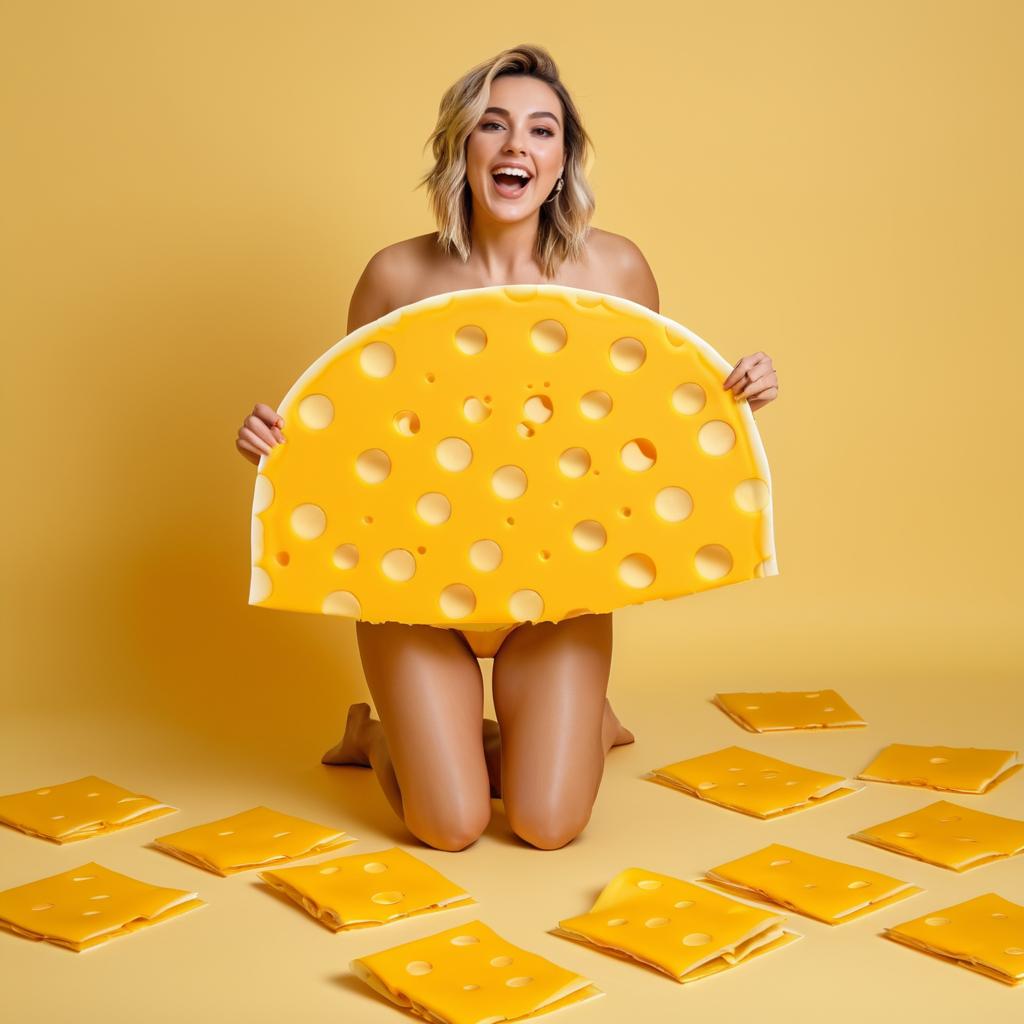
<point x="449" y="832"/>
<point x="547" y="831"/>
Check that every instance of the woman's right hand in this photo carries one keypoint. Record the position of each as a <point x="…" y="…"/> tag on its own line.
<point x="260" y="431"/>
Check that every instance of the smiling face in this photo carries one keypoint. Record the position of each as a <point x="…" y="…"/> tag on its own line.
<point x="523" y="126"/>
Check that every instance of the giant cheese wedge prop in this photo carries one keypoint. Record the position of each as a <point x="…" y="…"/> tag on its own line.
<point x="505" y="454"/>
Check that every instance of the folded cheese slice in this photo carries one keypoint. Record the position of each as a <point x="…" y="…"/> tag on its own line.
<point x="752" y="783"/>
<point x="89" y="905"/>
<point x="367" y="889"/>
<point x="85" y="807"/>
<point x="251" y="839"/>
<point x="793" y="709"/>
<point x="948" y="835"/>
<point x="496" y="455"/>
<point x="470" y="975"/>
<point x="984" y="934"/>
<point x="955" y="769"/>
<point x="827" y="890"/>
<point x="681" y="929"/>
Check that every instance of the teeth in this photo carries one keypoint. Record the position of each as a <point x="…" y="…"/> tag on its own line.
<point x="511" y="170"/>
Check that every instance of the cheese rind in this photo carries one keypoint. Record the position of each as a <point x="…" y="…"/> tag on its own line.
<point x="752" y="783"/>
<point x="469" y="975"/>
<point x="251" y="839"/>
<point x="461" y="462"/>
<point x="796" y="709"/>
<point x="948" y="835"/>
<point x="826" y="890"/>
<point x="367" y="889"/>
<point x="984" y="934"/>
<point x="71" y="811"/>
<point x="954" y="769"/>
<point x="89" y="905"/>
<point x="681" y="929"/>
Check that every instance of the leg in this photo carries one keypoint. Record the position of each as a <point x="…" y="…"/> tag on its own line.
<point x="427" y="748"/>
<point x="550" y="681"/>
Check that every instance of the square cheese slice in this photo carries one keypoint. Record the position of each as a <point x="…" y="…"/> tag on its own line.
<point x="251" y="839"/>
<point x="827" y="890"/>
<point x="367" y="889"/>
<point x="794" y="709"/>
<point x="948" y="835"/>
<point x="984" y="934"/>
<point x="75" y="810"/>
<point x="89" y="905"/>
<point x="469" y="975"/>
<point x="752" y="783"/>
<point x="955" y="769"/>
<point x="681" y="929"/>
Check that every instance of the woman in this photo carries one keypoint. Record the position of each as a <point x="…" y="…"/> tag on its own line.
<point x="545" y="754"/>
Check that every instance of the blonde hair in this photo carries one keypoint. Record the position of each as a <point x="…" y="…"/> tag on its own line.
<point x="562" y="230"/>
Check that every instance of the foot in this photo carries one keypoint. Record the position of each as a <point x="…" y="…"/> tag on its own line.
<point x="622" y="734"/>
<point x="351" y="748"/>
<point x="492" y="755"/>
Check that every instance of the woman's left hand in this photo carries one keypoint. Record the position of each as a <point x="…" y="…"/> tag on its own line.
<point x="754" y="379"/>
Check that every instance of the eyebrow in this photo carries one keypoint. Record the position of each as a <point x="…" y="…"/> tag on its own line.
<point x="536" y="113"/>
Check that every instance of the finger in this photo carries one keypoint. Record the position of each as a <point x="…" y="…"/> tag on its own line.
<point x="247" y="451"/>
<point x="261" y="430"/>
<point x="278" y="434"/>
<point x="759" y="378"/>
<point x="737" y="371"/>
<point x="265" y="413"/>
<point x="257" y="443"/>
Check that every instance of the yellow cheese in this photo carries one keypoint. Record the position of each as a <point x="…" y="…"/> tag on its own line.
<point x="797" y="709"/>
<point x="470" y="975"/>
<point x="88" y="905"/>
<point x="827" y="890"/>
<point x="753" y="783"/>
<point x="367" y="889"/>
<point x="506" y="454"/>
<point x="984" y="934"/>
<point x="85" y="807"/>
<point x="251" y="839"/>
<point x="949" y="836"/>
<point x="955" y="769"/>
<point x="681" y="929"/>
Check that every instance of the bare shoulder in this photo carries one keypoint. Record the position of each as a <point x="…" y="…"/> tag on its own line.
<point x="384" y="281"/>
<point x="621" y="260"/>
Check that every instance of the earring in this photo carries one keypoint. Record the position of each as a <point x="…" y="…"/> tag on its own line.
<point x="558" y="188"/>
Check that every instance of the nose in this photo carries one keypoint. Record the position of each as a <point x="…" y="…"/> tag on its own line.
<point x="515" y="141"/>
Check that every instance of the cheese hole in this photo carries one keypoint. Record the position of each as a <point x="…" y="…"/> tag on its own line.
<point x="83" y="878"/>
<point x="407" y="422"/>
<point x="740" y="769"/>
<point x="996" y="913"/>
<point x="465" y="940"/>
<point x="769" y="774"/>
<point x="485" y="555"/>
<point x="811" y="696"/>
<point x="595" y="405"/>
<point x="1014" y="950"/>
<point x="470" y="988"/>
<point x="716" y="437"/>
<point x="938" y="760"/>
<point x="828" y="709"/>
<point x="616" y="922"/>
<point x="341" y="602"/>
<point x="965" y="839"/>
<point x="129" y="799"/>
<point x="282" y="558"/>
<point x="457" y="601"/>
<point x="656" y="922"/>
<point x="418" y="967"/>
<point x="589" y="535"/>
<point x="398" y="565"/>
<point x="859" y="884"/>
<point x="501" y="961"/>
<point x="627" y="354"/>
<point x="682" y="904"/>
<point x="387" y="899"/>
<point x="454" y="454"/>
<point x="950" y="817"/>
<point x="474" y="410"/>
<point x="42" y="792"/>
<point x="637" y="570"/>
<point x="434" y="508"/>
<point x="673" y="504"/>
<point x="333" y="869"/>
<point x="935" y="922"/>
<point x="316" y="411"/>
<point x="538" y="409"/>
<point x="101" y="897"/>
<point x="791" y="782"/>
<point x="90" y="913"/>
<point x="92" y="794"/>
<point x="638" y="455"/>
<point x="648" y="883"/>
<point x="526" y="605"/>
<point x="713" y="561"/>
<point x="470" y="340"/>
<point x="906" y="835"/>
<point x="778" y="863"/>
<point x="346" y="556"/>
<point x="43" y="906"/>
<point x="509" y="482"/>
<point x="225" y="833"/>
<point x="625" y="511"/>
<point x="262" y="496"/>
<point x="574" y="462"/>
<point x="518" y="982"/>
<point x="810" y="885"/>
<point x="705" y="785"/>
<point x="510" y="521"/>
<point x="524" y="430"/>
<point x="429" y="378"/>
<point x="260" y="585"/>
<point x="374" y="867"/>
<point x="750" y="707"/>
<point x="548" y="336"/>
<point x="308" y="521"/>
<point x="688" y="398"/>
<point x="56" y="817"/>
<point x="740" y="783"/>
<point x="373" y="466"/>
<point x="545" y="555"/>
<point x="751" y="495"/>
<point x="696" y="939"/>
<point x="377" y="359"/>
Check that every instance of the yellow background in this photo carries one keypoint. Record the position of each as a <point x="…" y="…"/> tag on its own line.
<point x="191" y="190"/>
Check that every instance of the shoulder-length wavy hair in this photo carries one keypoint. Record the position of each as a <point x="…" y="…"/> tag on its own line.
<point x="563" y="223"/>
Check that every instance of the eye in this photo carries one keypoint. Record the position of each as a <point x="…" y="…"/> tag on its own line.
<point x="487" y="124"/>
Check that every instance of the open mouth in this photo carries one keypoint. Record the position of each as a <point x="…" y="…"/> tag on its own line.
<point x="511" y="186"/>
